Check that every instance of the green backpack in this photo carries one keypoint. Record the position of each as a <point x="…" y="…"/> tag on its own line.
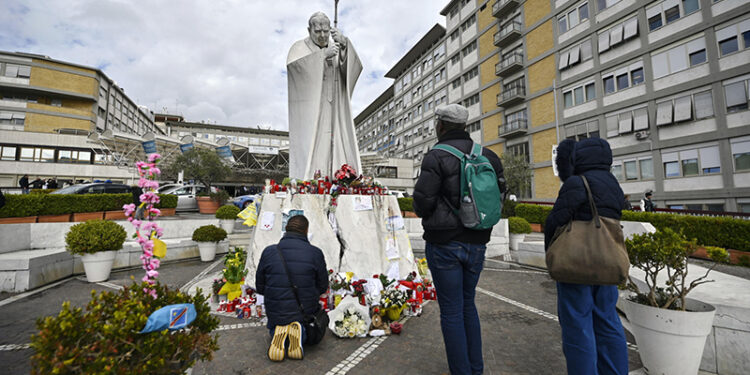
<point x="481" y="203"/>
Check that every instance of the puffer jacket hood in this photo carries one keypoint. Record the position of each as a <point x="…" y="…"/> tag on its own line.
<point x="563" y="161"/>
<point x="591" y="153"/>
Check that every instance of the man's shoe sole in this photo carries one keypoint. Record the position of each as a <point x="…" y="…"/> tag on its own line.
<point x="276" y="351"/>
<point x="295" y="341"/>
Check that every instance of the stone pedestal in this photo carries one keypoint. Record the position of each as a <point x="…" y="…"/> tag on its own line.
<point x="364" y="234"/>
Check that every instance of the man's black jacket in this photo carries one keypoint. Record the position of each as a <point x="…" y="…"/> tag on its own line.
<point x="308" y="269"/>
<point x="441" y="177"/>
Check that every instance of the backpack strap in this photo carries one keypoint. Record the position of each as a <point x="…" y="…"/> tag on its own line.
<point x="476" y="151"/>
<point x="449" y="149"/>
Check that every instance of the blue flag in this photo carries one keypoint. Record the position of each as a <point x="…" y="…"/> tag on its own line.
<point x="170" y="317"/>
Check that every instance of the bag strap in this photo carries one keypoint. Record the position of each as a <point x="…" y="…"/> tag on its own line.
<point x="594" y="211"/>
<point x="476" y="151"/>
<point x="291" y="283"/>
<point x="449" y="149"/>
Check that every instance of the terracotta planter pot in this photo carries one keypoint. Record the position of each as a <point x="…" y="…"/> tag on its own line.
<point x="409" y="214"/>
<point x="206" y="205"/>
<point x="734" y="255"/>
<point x="18" y="220"/>
<point x="114" y="215"/>
<point x="168" y="211"/>
<point x="54" y="218"/>
<point x="536" y="228"/>
<point x="83" y="216"/>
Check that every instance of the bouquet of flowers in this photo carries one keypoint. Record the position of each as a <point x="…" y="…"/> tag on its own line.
<point x="393" y="297"/>
<point x="234" y="268"/>
<point x="349" y="319"/>
<point x="217" y="284"/>
<point x="337" y="282"/>
<point x="346" y="175"/>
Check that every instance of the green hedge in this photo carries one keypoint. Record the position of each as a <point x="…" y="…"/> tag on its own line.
<point x="21" y="205"/>
<point x="533" y="213"/>
<point x="725" y="232"/>
<point x="406" y="204"/>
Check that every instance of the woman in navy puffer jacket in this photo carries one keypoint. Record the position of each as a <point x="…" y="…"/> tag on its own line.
<point x="592" y="334"/>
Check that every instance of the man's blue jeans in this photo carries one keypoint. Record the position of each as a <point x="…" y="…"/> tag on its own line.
<point x="455" y="268"/>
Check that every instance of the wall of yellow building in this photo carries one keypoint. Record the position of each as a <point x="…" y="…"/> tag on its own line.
<point x="534" y="10"/>
<point x="484" y="17"/>
<point x="539" y="40"/>
<point x="489" y="127"/>
<point x="36" y="122"/>
<point x="487" y="69"/>
<point x="489" y="98"/>
<point x="497" y="148"/>
<point x="542" y="74"/>
<point x="71" y="107"/>
<point x="486" y="43"/>
<point x="542" y="109"/>
<point x="543" y="142"/>
<point x="546" y="184"/>
<point x="64" y="81"/>
<point x="64" y="66"/>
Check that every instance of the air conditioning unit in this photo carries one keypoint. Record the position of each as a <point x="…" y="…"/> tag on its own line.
<point x="643" y="134"/>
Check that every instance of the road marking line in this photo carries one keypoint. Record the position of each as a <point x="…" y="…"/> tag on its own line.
<point x="516" y="271"/>
<point x="201" y="275"/>
<point x="12" y="347"/>
<point x="31" y="293"/>
<point x="227" y="327"/>
<point x="362" y="352"/>
<point x="533" y="309"/>
<point x="111" y="285"/>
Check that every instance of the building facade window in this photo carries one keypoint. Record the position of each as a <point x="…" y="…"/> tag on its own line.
<point x="694" y="162"/>
<point x="637" y="169"/>
<point x="470" y="101"/>
<point x="734" y="38"/>
<point x="679" y="58"/>
<point x="471" y="47"/>
<point x="582" y="130"/>
<point x="572" y="17"/>
<point x="473" y="127"/>
<point x="685" y="108"/>
<point x="604" y="4"/>
<point x="579" y="95"/>
<point x="668" y="11"/>
<point x="740" y="155"/>
<point x="17" y="71"/>
<point x="623" y="78"/>
<point x="8" y="153"/>
<point x="575" y="55"/>
<point x="736" y="95"/>
<point x="627" y="121"/>
<point x="473" y="72"/>
<point x="469" y="22"/>
<point x="13" y="118"/>
<point x="618" y="34"/>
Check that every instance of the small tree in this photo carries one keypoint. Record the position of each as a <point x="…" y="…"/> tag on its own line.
<point x="202" y="165"/>
<point x="517" y="173"/>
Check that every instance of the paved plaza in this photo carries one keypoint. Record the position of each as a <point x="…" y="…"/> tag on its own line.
<point x="517" y="308"/>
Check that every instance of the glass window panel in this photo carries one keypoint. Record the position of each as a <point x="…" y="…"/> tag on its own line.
<point x="735" y="94"/>
<point x="698" y="57"/>
<point x="64" y="156"/>
<point x="728" y="46"/>
<point x="583" y="11"/>
<point x="563" y="24"/>
<point x="609" y="84"/>
<point x="578" y="93"/>
<point x="590" y="92"/>
<point x="617" y="172"/>
<point x="84" y="156"/>
<point x="716" y="207"/>
<point x="746" y="39"/>
<point x="672" y="14"/>
<point x="647" y="169"/>
<point x="672" y="169"/>
<point x="622" y="81"/>
<point x="573" y="18"/>
<point x="690" y="6"/>
<point x="631" y="170"/>
<point x="637" y="76"/>
<point x="690" y="167"/>
<point x="704" y="105"/>
<point x="568" y="99"/>
<point x="742" y="161"/>
<point x="601" y="5"/>
<point x="654" y="22"/>
<point x="9" y="153"/>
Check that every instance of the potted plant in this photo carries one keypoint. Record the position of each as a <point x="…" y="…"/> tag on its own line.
<point x="105" y="336"/>
<point x="234" y="273"/>
<point x="670" y="329"/>
<point x="226" y="215"/>
<point x="393" y="301"/>
<point x="518" y="227"/>
<point x="206" y="167"/>
<point x="97" y="242"/>
<point x="208" y="237"/>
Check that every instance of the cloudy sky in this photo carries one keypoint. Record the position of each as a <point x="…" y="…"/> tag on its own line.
<point x="212" y="60"/>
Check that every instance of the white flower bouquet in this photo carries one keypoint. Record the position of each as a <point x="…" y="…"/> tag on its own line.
<point x="349" y="319"/>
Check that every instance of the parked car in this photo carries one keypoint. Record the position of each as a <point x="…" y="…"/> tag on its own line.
<point x="166" y="187"/>
<point x="244" y="200"/>
<point x="185" y="196"/>
<point x="94" y="188"/>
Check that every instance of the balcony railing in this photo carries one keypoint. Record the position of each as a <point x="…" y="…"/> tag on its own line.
<point x="509" y="65"/>
<point x="511" y="96"/>
<point x="515" y="127"/>
<point x="502" y="7"/>
<point x="508" y="33"/>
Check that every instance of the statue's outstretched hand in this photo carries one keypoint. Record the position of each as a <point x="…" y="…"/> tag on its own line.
<point x="338" y="38"/>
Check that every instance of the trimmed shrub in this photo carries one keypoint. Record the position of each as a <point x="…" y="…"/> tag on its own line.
<point x="21" y="205"/>
<point x="209" y="233"/>
<point x="41" y="191"/>
<point x="533" y="213"/>
<point x="104" y="338"/>
<point x="58" y="204"/>
<point x="228" y="212"/>
<point x="406" y="204"/>
<point x="509" y="208"/>
<point x="167" y="201"/>
<point x="220" y="196"/>
<point x="93" y="236"/>
<point x="518" y="225"/>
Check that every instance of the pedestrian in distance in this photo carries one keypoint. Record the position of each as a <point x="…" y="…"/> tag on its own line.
<point x="628" y="206"/>
<point x="37" y="184"/>
<point x="646" y="204"/>
<point x="24" y="183"/>
<point x="593" y="339"/>
<point x="292" y="261"/>
<point x="455" y="253"/>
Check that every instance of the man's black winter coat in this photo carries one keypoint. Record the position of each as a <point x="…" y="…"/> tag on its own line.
<point x="441" y="177"/>
<point x="309" y="273"/>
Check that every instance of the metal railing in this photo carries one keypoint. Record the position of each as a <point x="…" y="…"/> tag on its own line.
<point x="514" y="58"/>
<point x="519" y="124"/>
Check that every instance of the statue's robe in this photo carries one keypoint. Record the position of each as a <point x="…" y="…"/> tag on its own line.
<point x="321" y="126"/>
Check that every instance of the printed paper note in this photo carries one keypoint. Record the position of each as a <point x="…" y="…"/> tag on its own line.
<point x="362" y="203"/>
<point x="266" y="220"/>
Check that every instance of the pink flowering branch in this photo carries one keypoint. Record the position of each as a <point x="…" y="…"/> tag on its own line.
<point x="145" y="227"/>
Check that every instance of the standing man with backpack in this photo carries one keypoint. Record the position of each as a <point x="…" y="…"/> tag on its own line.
<point x="458" y="197"/>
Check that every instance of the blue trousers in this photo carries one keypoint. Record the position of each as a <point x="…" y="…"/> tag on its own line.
<point x="455" y="269"/>
<point x="592" y="334"/>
